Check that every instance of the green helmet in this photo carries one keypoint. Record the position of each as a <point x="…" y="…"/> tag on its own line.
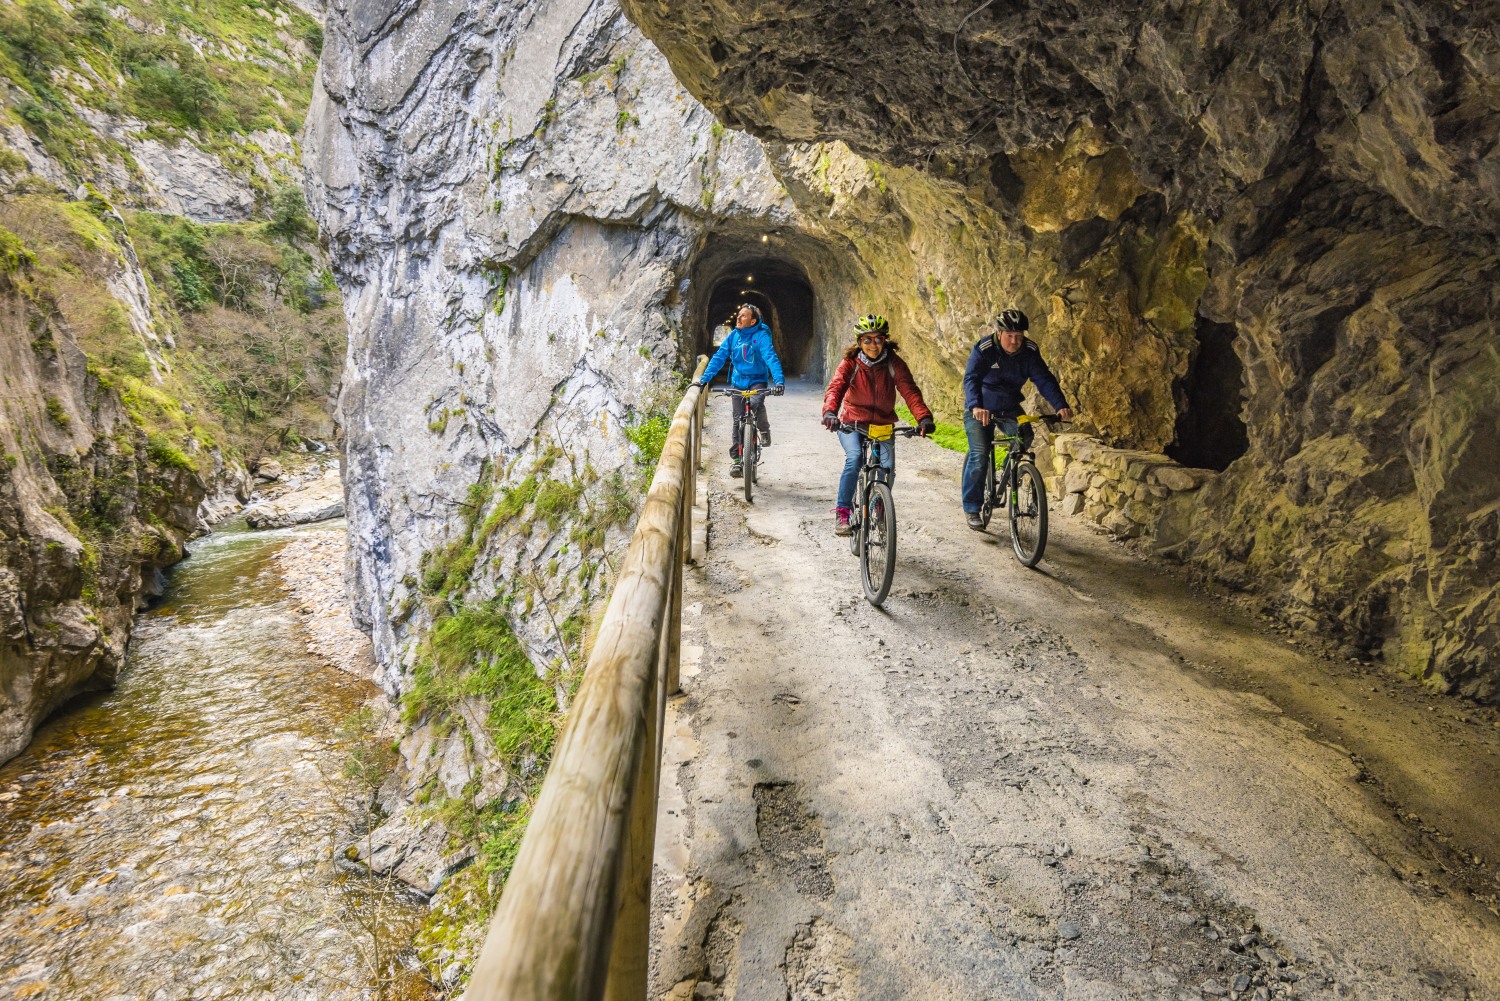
<point x="871" y="323"/>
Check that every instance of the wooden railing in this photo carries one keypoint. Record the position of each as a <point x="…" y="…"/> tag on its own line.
<point x="574" y="918"/>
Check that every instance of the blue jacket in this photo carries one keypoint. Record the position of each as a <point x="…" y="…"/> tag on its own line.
<point x="993" y="379"/>
<point x="751" y="358"/>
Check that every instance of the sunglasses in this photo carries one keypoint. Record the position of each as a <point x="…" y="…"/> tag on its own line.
<point x="876" y="339"/>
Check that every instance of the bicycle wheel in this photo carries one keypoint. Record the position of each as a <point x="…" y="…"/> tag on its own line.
<point x="1028" y="515"/>
<point x="747" y="453"/>
<point x="854" y="515"/>
<point x="877" y="551"/>
<point x="991" y="487"/>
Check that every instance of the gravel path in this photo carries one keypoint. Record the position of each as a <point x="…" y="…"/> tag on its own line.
<point x="1087" y="781"/>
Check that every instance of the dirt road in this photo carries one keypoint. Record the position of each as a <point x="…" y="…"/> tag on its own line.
<point x="1088" y="781"/>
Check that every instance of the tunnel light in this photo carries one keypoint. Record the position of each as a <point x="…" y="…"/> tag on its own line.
<point x="764" y="238"/>
<point x="749" y="278"/>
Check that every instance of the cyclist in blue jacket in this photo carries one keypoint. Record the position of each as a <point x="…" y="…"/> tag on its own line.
<point x="753" y="364"/>
<point x="999" y="367"/>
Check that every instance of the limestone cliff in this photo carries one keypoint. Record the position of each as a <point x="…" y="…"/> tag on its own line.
<point x="1260" y="238"/>
<point x="92" y="507"/>
<point x="511" y="195"/>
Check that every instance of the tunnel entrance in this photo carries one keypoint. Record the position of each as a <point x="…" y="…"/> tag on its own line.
<point x="1210" y="432"/>
<point x="777" y="285"/>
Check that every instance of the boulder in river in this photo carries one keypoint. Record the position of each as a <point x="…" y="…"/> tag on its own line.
<point x="319" y="501"/>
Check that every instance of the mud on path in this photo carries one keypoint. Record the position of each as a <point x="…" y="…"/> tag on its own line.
<point x="1088" y="781"/>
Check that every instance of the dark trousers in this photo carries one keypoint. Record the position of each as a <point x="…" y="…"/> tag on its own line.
<point x="758" y="403"/>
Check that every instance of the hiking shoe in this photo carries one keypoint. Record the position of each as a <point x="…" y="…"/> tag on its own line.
<point x="841" y="524"/>
<point x="765" y="438"/>
<point x="975" y="521"/>
<point x="736" y="469"/>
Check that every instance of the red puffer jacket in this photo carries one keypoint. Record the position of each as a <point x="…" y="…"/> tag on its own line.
<point x="865" y="392"/>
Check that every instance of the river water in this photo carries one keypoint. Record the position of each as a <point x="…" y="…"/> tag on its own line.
<point x="178" y="837"/>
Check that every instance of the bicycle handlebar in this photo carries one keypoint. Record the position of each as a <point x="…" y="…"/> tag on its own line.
<point x="905" y="432"/>
<point x="731" y="391"/>
<point x="1051" y="420"/>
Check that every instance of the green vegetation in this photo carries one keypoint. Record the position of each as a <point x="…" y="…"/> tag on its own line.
<point x="949" y="436"/>
<point x="57" y="414"/>
<point x="499" y="276"/>
<point x="624" y="118"/>
<point x="473" y="653"/>
<point x="549" y="115"/>
<point x="648" y="433"/>
<point x="938" y="293"/>
<point x="256" y="352"/>
<point x="13" y="253"/>
<point x="259" y="320"/>
<point x="651" y="423"/>
<point x="216" y="67"/>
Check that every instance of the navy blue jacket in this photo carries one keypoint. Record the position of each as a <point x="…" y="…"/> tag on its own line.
<point x="993" y="379"/>
<point x="751" y="358"/>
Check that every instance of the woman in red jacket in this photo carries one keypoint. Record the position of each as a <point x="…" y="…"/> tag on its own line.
<point x="863" y="391"/>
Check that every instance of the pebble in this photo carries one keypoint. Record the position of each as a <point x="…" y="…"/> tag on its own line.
<point x="1068" y="931"/>
<point x="1242" y="982"/>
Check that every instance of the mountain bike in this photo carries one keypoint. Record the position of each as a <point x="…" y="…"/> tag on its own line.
<point x="744" y="424"/>
<point x="874" y="516"/>
<point x="1017" y="485"/>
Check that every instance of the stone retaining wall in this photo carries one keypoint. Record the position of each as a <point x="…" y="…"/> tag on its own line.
<point x="1132" y="494"/>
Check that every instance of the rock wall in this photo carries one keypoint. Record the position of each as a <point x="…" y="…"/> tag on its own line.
<point x="91" y="509"/>
<point x="512" y="196"/>
<point x="1130" y="493"/>
<point x="1259" y="239"/>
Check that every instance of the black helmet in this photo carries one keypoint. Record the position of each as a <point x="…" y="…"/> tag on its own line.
<point x="1012" y="319"/>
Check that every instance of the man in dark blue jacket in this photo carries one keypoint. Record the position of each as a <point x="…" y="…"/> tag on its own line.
<point x="752" y="363"/>
<point x="999" y="367"/>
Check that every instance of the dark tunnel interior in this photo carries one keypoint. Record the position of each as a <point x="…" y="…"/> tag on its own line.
<point x="785" y="297"/>
<point x="1210" y="431"/>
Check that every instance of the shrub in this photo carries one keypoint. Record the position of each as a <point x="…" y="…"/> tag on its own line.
<point x="13" y="253"/>
<point x="57" y="413"/>
<point x="161" y="450"/>
<point x="289" y="218"/>
<point x="35" y="34"/>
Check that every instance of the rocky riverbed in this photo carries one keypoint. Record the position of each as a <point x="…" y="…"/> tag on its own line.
<point x="181" y="837"/>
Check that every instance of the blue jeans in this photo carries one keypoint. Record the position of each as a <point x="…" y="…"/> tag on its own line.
<point x="981" y="439"/>
<point x="886" y="450"/>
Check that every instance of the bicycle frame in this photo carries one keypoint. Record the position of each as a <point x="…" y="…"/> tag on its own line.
<point x="1004" y="474"/>
<point x="873" y="518"/>
<point x="1028" y="527"/>
<point x="744" y="415"/>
